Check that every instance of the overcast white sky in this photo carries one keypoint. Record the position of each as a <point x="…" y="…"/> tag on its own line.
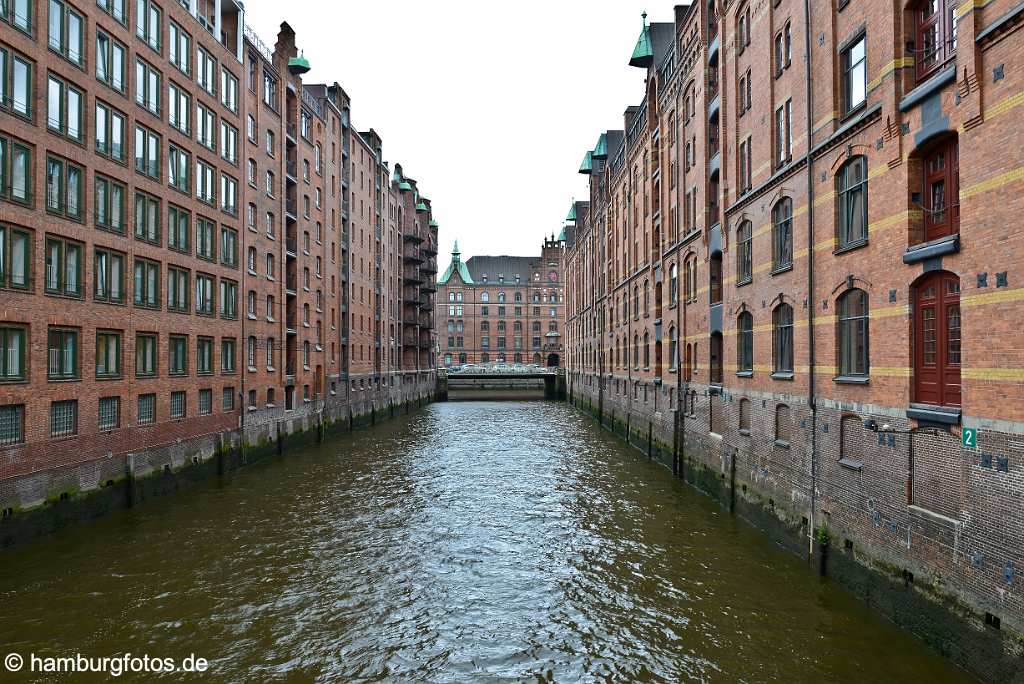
<point x="489" y="106"/>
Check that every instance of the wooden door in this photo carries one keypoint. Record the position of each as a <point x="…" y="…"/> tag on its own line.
<point x="937" y="340"/>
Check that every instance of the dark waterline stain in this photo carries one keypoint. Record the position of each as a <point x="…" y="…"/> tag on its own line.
<point x="467" y="542"/>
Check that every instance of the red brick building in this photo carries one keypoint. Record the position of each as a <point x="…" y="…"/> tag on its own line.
<point x="196" y="248"/>
<point x="503" y="309"/>
<point x="794" y="272"/>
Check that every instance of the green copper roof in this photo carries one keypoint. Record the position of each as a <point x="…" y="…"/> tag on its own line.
<point x="404" y="185"/>
<point x="601" y="149"/>
<point x="561" y="236"/>
<point x="643" y="54"/>
<point x="433" y="223"/>
<point x="572" y="213"/>
<point x="588" y="163"/>
<point x="420" y="206"/>
<point x="298" y="65"/>
<point x="456" y="266"/>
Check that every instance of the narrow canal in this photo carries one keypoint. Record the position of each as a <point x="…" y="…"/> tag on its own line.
<point x="468" y="542"/>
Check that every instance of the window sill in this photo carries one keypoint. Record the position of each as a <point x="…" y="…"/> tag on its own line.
<point x="856" y="109"/>
<point x="852" y="464"/>
<point x="103" y="378"/>
<point x="851" y="379"/>
<point x="782" y="375"/>
<point x="850" y="247"/>
<point x="63" y="380"/>
<point x="745" y="374"/>
<point x="781" y="269"/>
<point x="782" y="444"/>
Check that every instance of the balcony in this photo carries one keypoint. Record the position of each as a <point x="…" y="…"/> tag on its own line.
<point x="412" y="277"/>
<point x="412" y="256"/>
<point x="410" y="320"/>
<point x="290" y="283"/>
<point x="428" y="287"/>
<point x="291" y="245"/>
<point x="290" y="131"/>
<point x="291" y="209"/>
<point x="291" y="170"/>
<point x="411" y="237"/>
<point x="430" y="250"/>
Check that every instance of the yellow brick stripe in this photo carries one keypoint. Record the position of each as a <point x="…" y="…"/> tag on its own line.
<point x="898" y="63"/>
<point x="993" y="183"/>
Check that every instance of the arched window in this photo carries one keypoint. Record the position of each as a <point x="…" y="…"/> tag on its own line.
<point x="501" y="326"/>
<point x="636" y="351"/>
<point x="745" y="342"/>
<point x="647" y="298"/>
<point x="744" y="253"/>
<point x="715" y="279"/>
<point x="935" y="27"/>
<point x="485" y="326"/>
<point x="852" y="193"/>
<point x="673" y="348"/>
<point x="636" y="301"/>
<point x="518" y="296"/>
<point x="485" y="358"/>
<point x="942" y="190"/>
<point x="782" y="339"/>
<point x="536" y="326"/>
<point x="937" y="339"/>
<point x="518" y="326"/>
<point x="782" y="234"/>
<point x="552" y="326"/>
<point x="501" y="297"/>
<point x="462" y="358"/>
<point x="673" y="285"/>
<point x="715" y="359"/>
<point x="852" y="333"/>
<point x="688" y="363"/>
<point x="485" y="297"/>
<point x="744" y="415"/>
<point x="647" y="349"/>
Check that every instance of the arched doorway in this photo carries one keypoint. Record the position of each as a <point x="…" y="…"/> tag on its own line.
<point x="552" y="360"/>
<point x="937" y="339"/>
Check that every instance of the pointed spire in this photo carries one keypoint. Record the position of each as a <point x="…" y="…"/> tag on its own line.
<point x="455" y="251"/>
<point x="643" y="54"/>
<point x="572" y="211"/>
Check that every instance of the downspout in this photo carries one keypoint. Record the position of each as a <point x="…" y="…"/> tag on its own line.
<point x="810" y="276"/>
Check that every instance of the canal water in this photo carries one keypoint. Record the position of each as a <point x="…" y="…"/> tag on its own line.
<point x="468" y="542"/>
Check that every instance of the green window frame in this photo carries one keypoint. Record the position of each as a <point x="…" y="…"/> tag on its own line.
<point x="13" y="353"/>
<point x="147" y="284"/>
<point x="64" y="109"/>
<point x="147" y="409"/>
<point x="108" y="204"/>
<point x="204" y="294"/>
<point x="64" y="418"/>
<point x="179" y="48"/>
<point x="63" y="267"/>
<point x="147" y="218"/>
<point x="204" y="356"/>
<point x="147" y="86"/>
<point x="228" y="299"/>
<point x="114" y="8"/>
<point x="179" y="405"/>
<point x="15" y="83"/>
<point x="111" y="61"/>
<point x="177" y="289"/>
<point x="108" y="354"/>
<point x="12" y="424"/>
<point x="177" y="355"/>
<point x="65" y="184"/>
<point x="145" y="355"/>
<point x="109" y="417"/>
<point x="179" y="229"/>
<point x="108" y="276"/>
<point x="66" y="32"/>
<point x="15" y="257"/>
<point x="110" y="131"/>
<point x="206" y="244"/>
<point x="178" y="163"/>
<point x="228" y="347"/>
<point x="62" y="354"/>
<point x="16" y="171"/>
<point x="148" y="18"/>
<point x="147" y="152"/>
<point x="228" y="246"/>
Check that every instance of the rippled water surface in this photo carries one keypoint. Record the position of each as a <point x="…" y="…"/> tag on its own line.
<point x="467" y="542"/>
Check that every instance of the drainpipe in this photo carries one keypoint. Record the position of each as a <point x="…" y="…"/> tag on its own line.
<point x="810" y="275"/>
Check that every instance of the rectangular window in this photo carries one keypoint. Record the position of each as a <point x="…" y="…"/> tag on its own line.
<point x="205" y="189"/>
<point x="179" y="107"/>
<point x="269" y="90"/>
<point x="12" y="424"/>
<point x="204" y="294"/>
<point x="228" y="246"/>
<point x="63" y="267"/>
<point x="111" y="61"/>
<point x="204" y="355"/>
<point x="147" y="284"/>
<point x="206" y="122"/>
<point x="108" y="354"/>
<point x="13" y="353"/>
<point x="228" y="299"/>
<point x="227" y="355"/>
<point x="228" y="90"/>
<point x="108" y="276"/>
<point x="19" y="13"/>
<point x="178" y="163"/>
<point x="177" y="348"/>
<point x="177" y="405"/>
<point x="147" y="152"/>
<point x="205" y="244"/>
<point x="205" y="402"/>
<point x="64" y="187"/>
<point x="229" y="194"/>
<point x="15" y="171"/>
<point x="179" y="47"/>
<point x="114" y="8"/>
<point x="109" y="132"/>
<point x="179" y="228"/>
<point x="147" y="86"/>
<point x="177" y="289"/>
<point x="147" y="218"/>
<point x="108" y="203"/>
<point x="147" y="23"/>
<point x="64" y="109"/>
<point x="228" y="142"/>
<point x="854" y="75"/>
<point x="227" y="400"/>
<point x="145" y="355"/>
<point x="15" y="83"/>
<point x="64" y="418"/>
<point x="206" y="71"/>
<point x="66" y="31"/>
<point x="147" y="409"/>
<point x="110" y="413"/>
<point x="62" y="361"/>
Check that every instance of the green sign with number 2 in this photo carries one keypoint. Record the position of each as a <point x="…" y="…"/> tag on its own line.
<point x="969" y="438"/>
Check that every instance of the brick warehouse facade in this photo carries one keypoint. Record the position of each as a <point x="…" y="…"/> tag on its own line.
<point x="801" y="293"/>
<point x="198" y="253"/>
<point x="503" y="308"/>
